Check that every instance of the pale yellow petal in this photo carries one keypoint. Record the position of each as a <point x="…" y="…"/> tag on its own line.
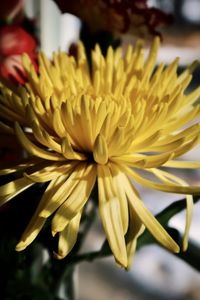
<point x="75" y="200"/>
<point x="173" y="188"/>
<point x="47" y="173"/>
<point x="111" y="220"/>
<point x="58" y="191"/>
<point x="166" y="177"/>
<point x="21" y="166"/>
<point x="110" y="213"/>
<point x="136" y="228"/>
<point x="147" y="218"/>
<point x="100" y="152"/>
<point x="31" y="232"/>
<point x="121" y="195"/>
<point x="48" y="203"/>
<point x="68" y="237"/>
<point x="13" y="188"/>
<point x="180" y="164"/>
<point x="68" y="150"/>
<point x="32" y="148"/>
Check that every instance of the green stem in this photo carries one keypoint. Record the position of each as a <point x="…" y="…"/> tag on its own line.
<point x="192" y="255"/>
<point x="63" y="281"/>
<point x="89" y="220"/>
<point x="89" y="256"/>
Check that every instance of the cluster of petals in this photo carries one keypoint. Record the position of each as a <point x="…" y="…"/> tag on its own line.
<point x="118" y="122"/>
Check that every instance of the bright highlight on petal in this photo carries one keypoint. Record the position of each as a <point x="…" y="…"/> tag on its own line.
<point x="112" y="124"/>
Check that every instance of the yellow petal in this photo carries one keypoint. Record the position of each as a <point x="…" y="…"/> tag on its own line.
<point x="173" y="188"/>
<point x="109" y="208"/>
<point x="58" y="191"/>
<point x="32" y="148"/>
<point x="47" y="206"/>
<point x="170" y="178"/>
<point x="68" y="237"/>
<point x="75" y="200"/>
<point x="31" y="232"/>
<point x="121" y="195"/>
<point x="182" y="164"/>
<point x="111" y="220"/>
<point x="57" y="123"/>
<point x="13" y="188"/>
<point x="136" y="228"/>
<point x="47" y="173"/>
<point x="100" y="152"/>
<point x="5" y="128"/>
<point x="21" y="166"/>
<point x="148" y="219"/>
<point x="150" y="63"/>
<point x="69" y="152"/>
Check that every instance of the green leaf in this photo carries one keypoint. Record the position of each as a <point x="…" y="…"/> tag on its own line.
<point x="192" y="255"/>
<point x="164" y="216"/>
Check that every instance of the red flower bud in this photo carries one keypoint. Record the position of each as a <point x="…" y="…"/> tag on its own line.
<point x="15" y="40"/>
<point x="11" y="68"/>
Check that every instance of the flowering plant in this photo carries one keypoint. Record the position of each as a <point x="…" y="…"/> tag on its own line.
<point x="92" y="129"/>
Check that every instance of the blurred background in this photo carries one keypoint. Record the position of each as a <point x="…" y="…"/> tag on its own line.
<point x="155" y="274"/>
<point x="181" y="38"/>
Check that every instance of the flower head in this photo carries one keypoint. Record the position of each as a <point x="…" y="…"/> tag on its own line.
<point x="106" y="124"/>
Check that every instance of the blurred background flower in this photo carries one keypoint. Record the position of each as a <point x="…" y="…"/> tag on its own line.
<point x="106" y="22"/>
<point x="17" y="36"/>
<point x="123" y="16"/>
<point x="14" y="41"/>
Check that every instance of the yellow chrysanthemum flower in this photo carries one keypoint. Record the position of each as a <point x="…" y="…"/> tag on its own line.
<point x="106" y="124"/>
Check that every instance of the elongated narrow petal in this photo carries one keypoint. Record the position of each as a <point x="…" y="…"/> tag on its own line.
<point x="170" y="188"/>
<point x="100" y="150"/>
<point x="68" y="237"/>
<point x="136" y="228"/>
<point x="13" y="188"/>
<point x="15" y="168"/>
<point x="31" y="232"/>
<point x="111" y="219"/>
<point x="169" y="178"/>
<point x="68" y="151"/>
<point x="182" y="164"/>
<point x="47" y="206"/>
<point x="56" y="194"/>
<point x="47" y="173"/>
<point x="121" y="195"/>
<point x="148" y="219"/>
<point x="32" y="148"/>
<point x="75" y="200"/>
<point x="109" y="209"/>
